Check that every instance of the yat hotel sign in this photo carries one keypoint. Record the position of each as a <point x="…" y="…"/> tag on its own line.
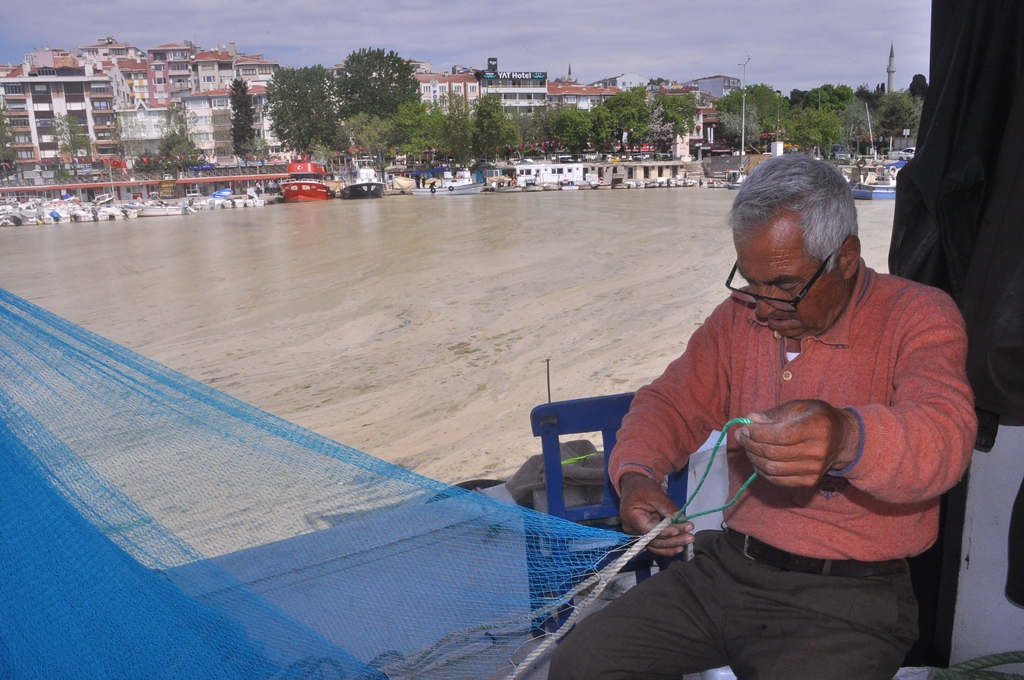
<point x="515" y="75"/>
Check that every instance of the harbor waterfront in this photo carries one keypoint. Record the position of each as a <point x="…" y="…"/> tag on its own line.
<point x="417" y="331"/>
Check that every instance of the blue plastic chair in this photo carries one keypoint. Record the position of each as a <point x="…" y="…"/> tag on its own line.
<point x="594" y="414"/>
<point x="602" y="414"/>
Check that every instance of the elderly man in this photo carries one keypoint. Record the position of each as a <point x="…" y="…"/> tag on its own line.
<point x="862" y="417"/>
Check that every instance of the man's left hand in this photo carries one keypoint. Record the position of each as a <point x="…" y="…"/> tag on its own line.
<point x="796" y="443"/>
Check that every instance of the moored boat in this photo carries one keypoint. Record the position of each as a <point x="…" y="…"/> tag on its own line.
<point x="872" y="191"/>
<point x="367" y="185"/>
<point x="306" y="182"/>
<point x="458" y="185"/>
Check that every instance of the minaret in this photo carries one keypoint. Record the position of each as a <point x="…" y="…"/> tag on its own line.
<point x="891" y="70"/>
<point x="569" y="76"/>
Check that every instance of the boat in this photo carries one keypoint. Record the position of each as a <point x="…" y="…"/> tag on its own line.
<point x="165" y="210"/>
<point x="306" y="182"/>
<point x="367" y="185"/>
<point x="459" y="184"/>
<point x="734" y="179"/>
<point x="870" y="192"/>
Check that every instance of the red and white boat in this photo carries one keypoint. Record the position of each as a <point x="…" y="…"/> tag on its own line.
<point x="305" y="183"/>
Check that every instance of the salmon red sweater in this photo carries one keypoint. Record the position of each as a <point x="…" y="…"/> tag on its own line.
<point x="895" y="356"/>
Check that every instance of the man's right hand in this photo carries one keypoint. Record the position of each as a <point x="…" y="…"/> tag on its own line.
<point x="643" y="504"/>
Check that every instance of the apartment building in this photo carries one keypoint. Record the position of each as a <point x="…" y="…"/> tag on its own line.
<point x="169" y="71"/>
<point x="581" y="96"/>
<point x="209" y="120"/>
<point x="255" y="68"/>
<point x="435" y="87"/>
<point x="54" y="83"/>
<point x="213" y="69"/>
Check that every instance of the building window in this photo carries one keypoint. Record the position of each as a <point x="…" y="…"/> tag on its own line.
<point x="472" y="89"/>
<point x="209" y="79"/>
<point x="101" y="104"/>
<point x="457" y="88"/>
<point x="26" y="154"/>
<point x="220" y="103"/>
<point x="248" y="71"/>
<point x="13" y="88"/>
<point x="181" y="67"/>
<point x="179" y="55"/>
<point x="159" y="81"/>
<point x="40" y="88"/>
<point x="266" y="70"/>
<point x="97" y="88"/>
<point x="47" y="72"/>
<point x="22" y="139"/>
<point x="426" y="88"/>
<point x="159" y="56"/>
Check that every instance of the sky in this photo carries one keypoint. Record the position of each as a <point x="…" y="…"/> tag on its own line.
<point x="791" y="43"/>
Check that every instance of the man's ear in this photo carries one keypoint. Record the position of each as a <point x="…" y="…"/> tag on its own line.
<point x="848" y="257"/>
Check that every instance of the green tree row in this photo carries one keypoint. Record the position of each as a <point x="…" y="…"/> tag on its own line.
<point x="821" y="117"/>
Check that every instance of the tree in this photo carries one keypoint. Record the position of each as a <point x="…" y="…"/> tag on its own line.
<point x="243" y="117"/>
<point x="303" y="107"/>
<point x="602" y="128"/>
<point x="71" y="137"/>
<point x="176" y="140"/>
<point x="814" y="127"/>
<point x="492" y="126"/>
<point x="534" y="128"/>
<point x="731" y="125"/>
<point x="869" y="96"/>
<point x="630" y="115"/>
<point x="375" y="82"/>
<point x="7" y="152"/>
<point x="457" y="129"/>
<point x="855" y="124"/>
<point x="678" y="111"/>
<point x="372" y="134"/>
<point x="571" y="127"/>
<point x="918" y="86"/>
<point x="128" y="135"/>
<point x="829" y="97"/>
<point x="898" y="111"/>
<point x="418" y="127"/>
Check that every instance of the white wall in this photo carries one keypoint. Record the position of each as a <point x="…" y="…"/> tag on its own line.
<point x="986" y="622"/>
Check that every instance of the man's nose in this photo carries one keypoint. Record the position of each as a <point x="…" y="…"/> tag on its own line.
<point x="763" y="310"/>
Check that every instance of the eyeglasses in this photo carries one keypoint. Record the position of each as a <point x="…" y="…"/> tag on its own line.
<point x="778" y="303"/>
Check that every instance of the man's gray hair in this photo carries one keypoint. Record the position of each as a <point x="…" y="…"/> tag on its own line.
<point x="814" y="190"/>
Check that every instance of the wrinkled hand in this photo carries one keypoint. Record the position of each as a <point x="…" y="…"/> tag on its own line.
<point x="796" y="443"/>
<point x="643" y="504"/>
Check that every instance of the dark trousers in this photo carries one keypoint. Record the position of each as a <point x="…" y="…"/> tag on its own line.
<point x="723" y="609"/>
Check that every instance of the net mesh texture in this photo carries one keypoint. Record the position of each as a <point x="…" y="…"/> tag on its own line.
<point x="152" y="526"/>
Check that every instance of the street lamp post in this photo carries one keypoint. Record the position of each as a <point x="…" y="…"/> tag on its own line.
<point x="743" y="117"/>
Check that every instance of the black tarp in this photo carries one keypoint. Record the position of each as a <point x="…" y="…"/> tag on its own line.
<point x="959" y="220"/>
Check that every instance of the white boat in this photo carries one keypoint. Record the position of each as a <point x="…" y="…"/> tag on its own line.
<point x="367" y="185"/>
<point x="458" y="185"/>
<point x="164" y="210"/>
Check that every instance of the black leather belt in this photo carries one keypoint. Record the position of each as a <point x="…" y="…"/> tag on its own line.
<point x="762" y="553"/>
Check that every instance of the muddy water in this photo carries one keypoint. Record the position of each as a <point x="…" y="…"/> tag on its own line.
<point x="413" y="328"/>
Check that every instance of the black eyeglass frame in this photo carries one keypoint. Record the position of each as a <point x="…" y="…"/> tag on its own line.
<point x="788" y="305"/>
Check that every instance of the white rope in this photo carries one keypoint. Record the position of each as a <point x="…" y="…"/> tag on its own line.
<point x="601" y="578"/>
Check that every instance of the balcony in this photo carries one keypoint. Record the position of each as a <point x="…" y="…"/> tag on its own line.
<point x="181" y="87"/>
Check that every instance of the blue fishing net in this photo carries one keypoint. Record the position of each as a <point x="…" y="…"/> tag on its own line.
<point x="151" y="526"/>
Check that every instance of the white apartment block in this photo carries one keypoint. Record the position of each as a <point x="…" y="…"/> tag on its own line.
<point x="54" y="83"/>
<point x="209" y="121"/>
<point x="435" y="87"/>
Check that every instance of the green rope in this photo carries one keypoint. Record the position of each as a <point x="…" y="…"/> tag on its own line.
<point x="577" y="459"/>
<point x="681" y="515"/>
<point x="972" y="670"/>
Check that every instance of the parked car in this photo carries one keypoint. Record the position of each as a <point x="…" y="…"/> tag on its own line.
<point x="840" y="152"/>
<point x="906" y="154"/>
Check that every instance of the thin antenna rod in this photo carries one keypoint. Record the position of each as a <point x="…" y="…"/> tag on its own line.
<point x="548" y="362"/>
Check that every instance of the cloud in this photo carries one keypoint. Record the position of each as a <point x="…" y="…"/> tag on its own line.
<point x="792" y="43"/>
